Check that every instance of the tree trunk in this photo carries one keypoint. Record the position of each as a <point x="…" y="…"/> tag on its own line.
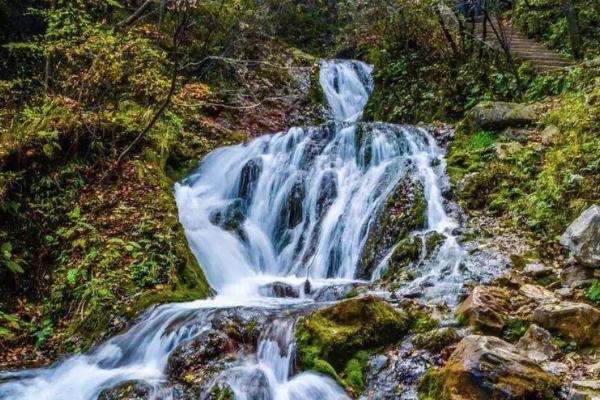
<point x="570" y="13"/>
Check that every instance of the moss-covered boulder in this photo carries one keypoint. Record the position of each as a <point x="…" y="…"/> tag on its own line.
<point x="498" y="115"/>
<point x="486" y="309"/>
<point x="485" y="367"/>
<point x="403" y="213"/>
<point x="337" y="340"/>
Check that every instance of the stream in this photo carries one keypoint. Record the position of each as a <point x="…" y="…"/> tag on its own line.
<point x="286" y="212"/>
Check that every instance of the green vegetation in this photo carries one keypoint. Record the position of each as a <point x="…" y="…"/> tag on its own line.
<point x="545" y="182"/>
<point x="546" y="21"/>
<point x="100" y="113"/>
<point x="593" y="292"/>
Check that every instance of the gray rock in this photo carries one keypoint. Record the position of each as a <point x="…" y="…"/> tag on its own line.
<point x="555" y="368"/>
<point x="587" y="389"/>
<point x="507" y="150"/>
<point x="501" y="115"/>
<point x="537" y="344"/>
<point x="280" y="290"/>
<point x="582" y="237"/>
<point x="564" y="293"/>
<point x="550" y="135"/>
<point x="537" y="270"/>
<point x="574" y="276"/>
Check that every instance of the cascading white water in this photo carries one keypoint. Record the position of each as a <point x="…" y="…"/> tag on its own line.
<point x="278" y="208"/>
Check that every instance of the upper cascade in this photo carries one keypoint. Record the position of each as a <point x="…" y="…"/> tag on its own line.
<point x="347" y="85"/>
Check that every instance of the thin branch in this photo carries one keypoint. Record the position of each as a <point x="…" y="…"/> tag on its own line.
<point x="236" y="61"/>
<point x="134" y="17"/>
<point x="232" y="107"/>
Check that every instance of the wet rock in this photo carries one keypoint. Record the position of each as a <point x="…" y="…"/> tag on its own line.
<point x="485" y="309"/>
<point x="437" y="339"/>
<point x="334" y="335"/>
<point x="485" y="367"/>
<point x="582" y="237"/>
<point x="279" y="289"/>
<point x="130" y="390"/>
<point x="327" y="192"/>
<point x="206" y="346"/>
<point x="395" y="375"/>
<point x="334" y="292"/>
<point x="249" y="177"/>
<point x="403" y="213"/>
<point x="443" y="135"/>
<point x="231" y="218"/>
<point x="501" y="115"/>
<point x="290" y="213"/>
<point x="537" y="344"/>
<point x="576" y="322"/>
<point x="537" y="270"/>
<point x="574" y="276"/>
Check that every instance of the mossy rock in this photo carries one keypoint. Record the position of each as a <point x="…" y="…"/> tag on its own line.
<point x="403" y="213"/>
<point x="437" y="339"/>
<point x="338" y="340"/>
<point x="485" y="367"/>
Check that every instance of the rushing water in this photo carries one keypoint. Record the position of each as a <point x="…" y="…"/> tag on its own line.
<point x="281" y="208"/>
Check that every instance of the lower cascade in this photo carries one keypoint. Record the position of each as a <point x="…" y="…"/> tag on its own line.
<point x="282" y="225"/>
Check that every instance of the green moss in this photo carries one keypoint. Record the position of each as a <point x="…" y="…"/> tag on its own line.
<point x="436" y="339"/>
<point x="355" y="369"/>
<point x="343" y="335"/>
<point x="423" y="323"/>
<point x="403" y="213"/>
<point x="515" y="329"/>
<point x="593" y="293"/>
<point x="432" y="387"/>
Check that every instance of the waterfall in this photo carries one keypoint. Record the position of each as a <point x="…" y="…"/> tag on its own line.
<point x="279" y="208"/>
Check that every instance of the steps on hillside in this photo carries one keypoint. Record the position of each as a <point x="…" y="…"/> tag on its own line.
<point x="523" y="48"/>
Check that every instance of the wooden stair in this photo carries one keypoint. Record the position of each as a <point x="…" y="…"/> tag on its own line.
<point x="523" y="48"/>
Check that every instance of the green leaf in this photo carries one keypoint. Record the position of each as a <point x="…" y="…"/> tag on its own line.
<point x="6" y="247"/>
<point x="114" y="3"/>
<point x="14" y="267"/>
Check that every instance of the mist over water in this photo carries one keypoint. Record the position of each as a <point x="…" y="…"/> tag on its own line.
<point x="281" y="208"/>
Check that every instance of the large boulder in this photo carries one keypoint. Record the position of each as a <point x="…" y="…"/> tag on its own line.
<point x="334" y="339"/>
<point x="575" y="322"/>
<point x="498" y="115"/>
<point x="485" y="367"/>
<point x="582" y="237"/>
<point x="486" y="309"/>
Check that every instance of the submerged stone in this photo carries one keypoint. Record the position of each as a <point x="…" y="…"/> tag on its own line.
<point x="279" y="289"/>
